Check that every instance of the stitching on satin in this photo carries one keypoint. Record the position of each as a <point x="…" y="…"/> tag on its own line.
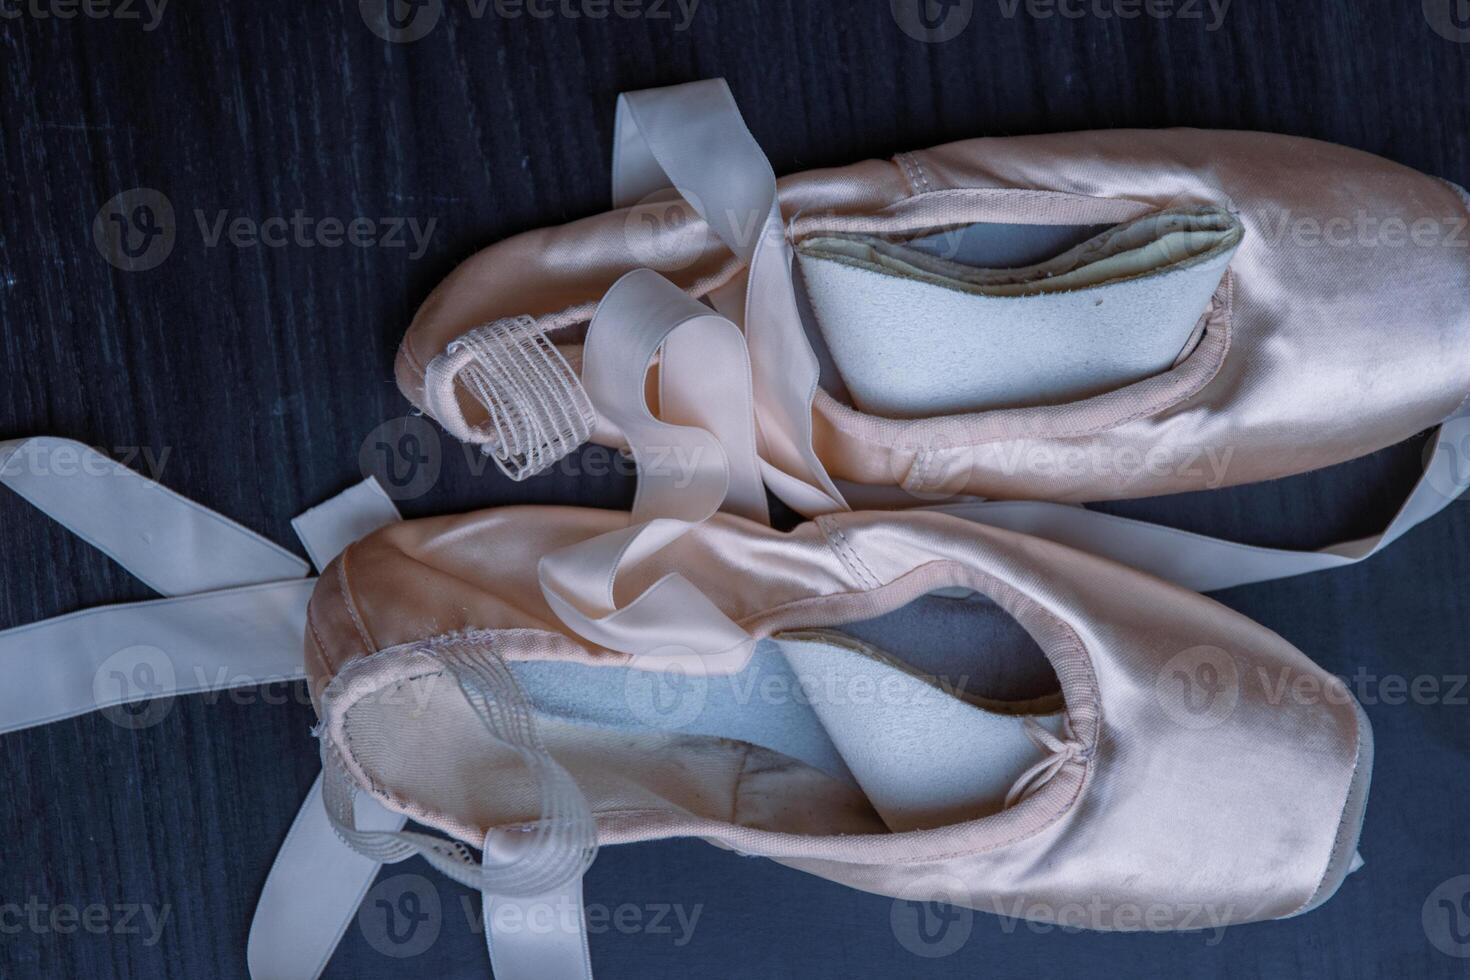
<point x="919" y="169"/>
<point x="346" y="592"/>
<point x="854" y="564"/>
<point x="318" y="647"/>
<point x="919" y="473"/>
<point x="735" y="790"/>
<point x="1342" y="816"/>
<point x="823" y="523"/>
<point x="905" y="164"/>
<point x="873" y="581"/>
<point x="406" y="352"/>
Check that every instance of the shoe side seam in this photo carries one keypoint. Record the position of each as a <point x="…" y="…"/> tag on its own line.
<point x="347" y="598"/>
<point x="845" y="553"/>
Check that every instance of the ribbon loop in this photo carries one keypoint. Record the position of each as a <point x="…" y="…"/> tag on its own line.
<point x="699" y="458"/>
<point x="692" y="137"/>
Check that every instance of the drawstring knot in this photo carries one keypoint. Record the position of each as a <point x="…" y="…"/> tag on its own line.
<point x="1062" y="751"/>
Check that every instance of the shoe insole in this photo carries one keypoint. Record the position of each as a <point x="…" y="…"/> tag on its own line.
<point x="913" y="334"/>
<point x="923" y="753"/>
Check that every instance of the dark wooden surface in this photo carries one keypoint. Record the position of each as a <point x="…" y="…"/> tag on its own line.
<point x="262" y="371"/>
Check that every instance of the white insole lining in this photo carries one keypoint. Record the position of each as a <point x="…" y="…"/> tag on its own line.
<point x="915" y="334"/>
<point x="924" y="754"/>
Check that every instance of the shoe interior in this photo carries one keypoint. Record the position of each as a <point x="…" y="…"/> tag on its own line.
<point x="821" y="733"/>
<point x="989" y="316"/>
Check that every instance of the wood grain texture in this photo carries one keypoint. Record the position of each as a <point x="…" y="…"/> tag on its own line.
<point x="260" y="374"/>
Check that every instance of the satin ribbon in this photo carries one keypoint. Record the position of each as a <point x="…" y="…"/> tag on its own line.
<point x="167" y="542"/>
<point x="692" y="138"/>
<point x="313" y="891"/>
<point x="1205" y="564"/>
<point x="317" y="882"/>
<point x="714" y="384"/>
<point x="699" y="458"/>
<point x="540" y="937"/>
<point x="234" y="616"/>
<point x="554" y="948"/>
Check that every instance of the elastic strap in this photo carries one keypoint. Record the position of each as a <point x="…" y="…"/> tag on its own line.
<point x="536" y="408"/>
<point x="543" y="862"/>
